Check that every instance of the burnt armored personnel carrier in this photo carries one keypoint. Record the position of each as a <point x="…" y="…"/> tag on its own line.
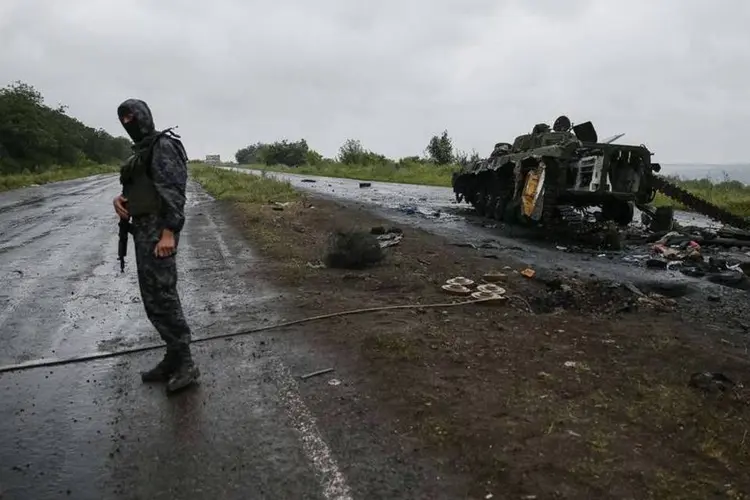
<point x="548" y="173"/>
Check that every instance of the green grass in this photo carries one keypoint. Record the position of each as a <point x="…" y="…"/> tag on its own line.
<point x="428" y="175"/>
<point x="241" y="187"/>
<point x="15" y="181"/>
<point x="730" y="195"/>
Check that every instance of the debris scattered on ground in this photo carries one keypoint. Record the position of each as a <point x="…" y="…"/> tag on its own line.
<point x="353" y="250"/>
<point x="308" y="180"/>
<point x="387" y="237"/>
<point x="279" y="206"/>
<point x="685" y="251"/>
<point x="365" y="184"/>
<point x="389" y="240"/>
<point x="315" y="374"/>
<point x="528" y="272"/>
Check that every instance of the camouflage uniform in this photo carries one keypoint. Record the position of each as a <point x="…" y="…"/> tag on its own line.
<point x="154" y="180"/>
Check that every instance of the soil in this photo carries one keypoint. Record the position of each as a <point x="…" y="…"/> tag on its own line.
<point x="571" y="388"/>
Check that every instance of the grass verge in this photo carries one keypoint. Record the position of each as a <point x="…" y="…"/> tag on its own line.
<point x="562" y="403"/>
<point x="428" y="175"/>
<point x="731" y="195"/>
<point x="15" y="181"/>
<point x="239" y="187"/>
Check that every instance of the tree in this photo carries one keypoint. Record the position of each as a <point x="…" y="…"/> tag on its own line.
<point x="440" y="149"/>
<point x="34" y="136"/>
<point x="353" y="153"/>
<point x="252" y="154"/>
<point x="292" y="154"/>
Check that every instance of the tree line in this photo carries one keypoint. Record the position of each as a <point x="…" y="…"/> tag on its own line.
<point x="35" y="137"/>
<point x="439" y="151"/>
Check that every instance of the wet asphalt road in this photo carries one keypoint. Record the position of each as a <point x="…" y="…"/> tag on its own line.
<point x="91" y="430"/>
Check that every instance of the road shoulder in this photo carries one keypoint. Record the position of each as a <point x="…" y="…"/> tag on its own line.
<point x="573" y="387"/>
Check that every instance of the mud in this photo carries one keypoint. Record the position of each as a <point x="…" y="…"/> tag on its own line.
<point x="92" y="430"/>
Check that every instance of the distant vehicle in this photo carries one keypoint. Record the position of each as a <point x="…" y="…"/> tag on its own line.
<point x="213" y="159"/>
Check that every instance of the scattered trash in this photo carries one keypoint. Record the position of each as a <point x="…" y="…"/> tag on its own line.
<point x="317" y="265"/>
<point x="570" y="364"/>
<point x="315" y="374"/>
<point x="279" y="206"/>
<point x="528" y="272"/>
<point x="364" y="184"/>
<point x="308" y="180"/>
<point x="334" y="381"/>
<point x="685" y="250"/>
<point x="390" y="239"/>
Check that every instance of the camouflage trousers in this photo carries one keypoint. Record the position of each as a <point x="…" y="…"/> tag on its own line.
<point x="157" y="279"/>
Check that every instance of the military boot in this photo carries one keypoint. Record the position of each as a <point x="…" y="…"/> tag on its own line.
<point x="162" y="371"/>
<point x="185" y="374"/>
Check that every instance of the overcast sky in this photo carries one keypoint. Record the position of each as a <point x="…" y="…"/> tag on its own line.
<point x="671" y="74"/>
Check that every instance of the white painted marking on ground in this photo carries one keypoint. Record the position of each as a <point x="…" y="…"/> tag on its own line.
<point x="315" y="448"/>
<point x="223" y="248"/>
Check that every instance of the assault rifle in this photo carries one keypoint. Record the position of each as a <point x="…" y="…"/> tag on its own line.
<point x="122" y="247"/>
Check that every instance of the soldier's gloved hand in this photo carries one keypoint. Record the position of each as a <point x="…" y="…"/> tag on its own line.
<point x="119" y="203"/>
<point x="166" y="245"/>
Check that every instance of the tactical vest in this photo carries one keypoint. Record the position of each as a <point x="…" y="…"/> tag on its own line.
<point x="135" y="176"/>
<point x="137" y="186"/>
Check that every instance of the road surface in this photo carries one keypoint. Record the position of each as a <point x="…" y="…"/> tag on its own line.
<point x="92" y="430"/>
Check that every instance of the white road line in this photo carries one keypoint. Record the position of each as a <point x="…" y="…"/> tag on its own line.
<point x="223" y="248"/>
<point x="326" y="469"/>
<point x="324" y="465"/>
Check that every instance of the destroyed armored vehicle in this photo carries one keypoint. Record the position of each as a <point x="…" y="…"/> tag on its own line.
<point x="548" y="173"/>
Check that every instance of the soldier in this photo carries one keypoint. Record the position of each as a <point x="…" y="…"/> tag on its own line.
<point x="154" y="180"/>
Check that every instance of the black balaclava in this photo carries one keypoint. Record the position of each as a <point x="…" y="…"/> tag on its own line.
<point x="142" y="124"/>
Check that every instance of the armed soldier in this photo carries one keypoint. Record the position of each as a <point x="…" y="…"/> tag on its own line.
<point x="154" y="181"/>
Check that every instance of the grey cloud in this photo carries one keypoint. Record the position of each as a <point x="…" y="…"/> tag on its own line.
<point x="671" y="74"/>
